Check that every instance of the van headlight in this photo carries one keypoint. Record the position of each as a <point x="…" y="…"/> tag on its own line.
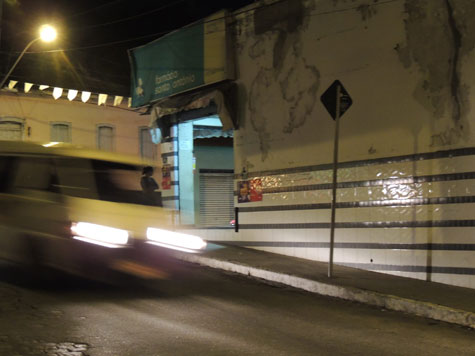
<point x="99" y="234"/>
<point x="175" y="240"/>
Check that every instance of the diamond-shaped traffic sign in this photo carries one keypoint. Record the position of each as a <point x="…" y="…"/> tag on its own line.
<point x="328" y="99"/>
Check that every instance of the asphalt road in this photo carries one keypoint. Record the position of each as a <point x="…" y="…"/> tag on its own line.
<point x="204" y="312"/>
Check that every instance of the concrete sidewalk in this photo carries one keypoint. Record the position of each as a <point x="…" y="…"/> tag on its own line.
<point x="427" y="299"/>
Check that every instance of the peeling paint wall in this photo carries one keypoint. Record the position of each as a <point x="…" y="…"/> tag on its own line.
<point x="406" y="190"/>
<point x="403" y="62"/>
<point x="282" y="72"/>
<point x="281" y="51"/>
<point x="439" y="35"/>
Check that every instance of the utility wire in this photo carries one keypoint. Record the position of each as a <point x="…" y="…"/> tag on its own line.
<point x="199" y="23"/>
<point x="93" y="9"/>
<point x="149" y="35"/>
<point x="133" y="17"/>
<point x="237" y="13"/>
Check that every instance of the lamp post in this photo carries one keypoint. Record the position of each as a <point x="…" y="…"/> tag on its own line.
<point x="47" y="34"/>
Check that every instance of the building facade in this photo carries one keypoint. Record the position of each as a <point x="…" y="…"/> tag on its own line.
<point x="38" y="117"/>
<point x="405" y="198"/>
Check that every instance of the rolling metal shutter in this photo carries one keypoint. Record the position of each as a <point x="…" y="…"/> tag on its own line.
<point x="216" y="199"/>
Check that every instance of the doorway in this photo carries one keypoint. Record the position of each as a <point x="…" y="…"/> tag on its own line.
<point x="206" y="173"/>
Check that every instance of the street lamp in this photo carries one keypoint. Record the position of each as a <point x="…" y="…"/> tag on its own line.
<point x="47" y="34"/>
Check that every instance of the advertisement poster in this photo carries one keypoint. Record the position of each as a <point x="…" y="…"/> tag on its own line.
<point x="249" y="191"/>
<point x="166" y="177"/>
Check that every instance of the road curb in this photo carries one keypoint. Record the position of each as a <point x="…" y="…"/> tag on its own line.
<point x="391" y="302"/>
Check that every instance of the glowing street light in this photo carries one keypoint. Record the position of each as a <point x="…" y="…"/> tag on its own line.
<point x="47" y="34"/>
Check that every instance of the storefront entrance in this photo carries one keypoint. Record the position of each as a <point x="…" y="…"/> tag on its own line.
<point x="206" y="173"/>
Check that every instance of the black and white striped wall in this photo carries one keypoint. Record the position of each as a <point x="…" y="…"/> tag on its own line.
<point x="411" y="215"/>
<point x="169" y="151"/>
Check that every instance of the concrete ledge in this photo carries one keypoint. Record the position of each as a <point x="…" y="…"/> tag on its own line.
<point x="415" y="307"/>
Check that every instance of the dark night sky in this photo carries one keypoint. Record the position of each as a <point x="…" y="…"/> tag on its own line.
<point x="95" y="36"/>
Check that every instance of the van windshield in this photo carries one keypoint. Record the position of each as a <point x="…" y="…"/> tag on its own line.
<point x="103" y="180"/>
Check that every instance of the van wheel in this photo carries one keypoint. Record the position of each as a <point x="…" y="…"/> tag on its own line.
<point x="32" y="251"/>
<point x="33" y="258"/>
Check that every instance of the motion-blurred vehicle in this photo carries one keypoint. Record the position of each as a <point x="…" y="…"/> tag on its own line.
<point x="83" y="212"/>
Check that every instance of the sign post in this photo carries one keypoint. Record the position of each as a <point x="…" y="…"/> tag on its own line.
<point x="336" y="100"/>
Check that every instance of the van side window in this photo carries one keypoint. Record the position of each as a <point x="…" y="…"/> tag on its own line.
<point x="5" y="172"/>
<point x="36" y="173"/>
<point x="76" y="177"/>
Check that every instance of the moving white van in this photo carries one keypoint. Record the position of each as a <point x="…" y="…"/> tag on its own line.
<point x="83" y="212"/>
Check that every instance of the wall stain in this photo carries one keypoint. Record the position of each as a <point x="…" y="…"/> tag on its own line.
<point x="288" y="15"/>
<point x="439" y="33"/>
<point x="457" y="43"/>
<point x="283" y="73"/>
<point x="299" y="85"/>
<point x="259" y="99"/>
<point x="428" y="45"/>
<point x="367" y="11"/>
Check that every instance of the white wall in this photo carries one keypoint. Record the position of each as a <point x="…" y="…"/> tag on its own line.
<point x="283" y="74"/>
<point x="408" y="66"/>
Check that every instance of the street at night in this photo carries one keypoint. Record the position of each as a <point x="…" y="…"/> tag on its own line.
<point x="204" y="312"/>
<point x="241" y="177"/>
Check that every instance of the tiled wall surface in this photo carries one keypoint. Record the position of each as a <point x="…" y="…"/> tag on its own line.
<point x="170" y="156"/>
<point x="412" y="216"/>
